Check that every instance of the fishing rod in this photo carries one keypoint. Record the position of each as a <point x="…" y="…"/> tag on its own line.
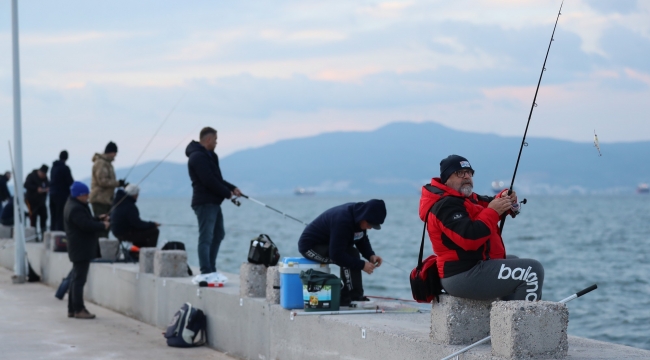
<point x="153" y="137"/>
<point x="563" y="301"/>
<point x="154" y="168"/>
<point x="532" y="106"/>
<point x="269" y="207"/>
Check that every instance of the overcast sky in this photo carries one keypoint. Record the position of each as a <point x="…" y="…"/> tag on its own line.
<point x="261" y="71"/>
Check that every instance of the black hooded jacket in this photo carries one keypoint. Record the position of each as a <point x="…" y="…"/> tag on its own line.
<point x="60" y="180"/>
<point x="32" y="183"/>
<point x="4" y="191"/>
<point x="208" y="184"/>
<point x="125" y="217"/>
<point x="81" y="231"/>
<point x="339" y="228"/>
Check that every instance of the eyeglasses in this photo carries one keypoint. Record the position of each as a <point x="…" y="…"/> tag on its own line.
<point x="462" y="173"/>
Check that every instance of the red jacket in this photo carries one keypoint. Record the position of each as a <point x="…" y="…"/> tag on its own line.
<point x="463" y="230"/>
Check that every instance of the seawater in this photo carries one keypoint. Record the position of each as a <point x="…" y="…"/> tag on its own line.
<point x="580" y="240"/>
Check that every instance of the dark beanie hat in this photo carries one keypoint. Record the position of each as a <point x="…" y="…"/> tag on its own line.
<point x="110" y="148"/>
<point x="44" y="168"/>
<point x="63" y="156"/>
<point x="451" y="164"/>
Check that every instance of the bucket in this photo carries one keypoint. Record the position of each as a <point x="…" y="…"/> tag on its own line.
<point x="290" y="283"/>
<point x="320" y="291"/>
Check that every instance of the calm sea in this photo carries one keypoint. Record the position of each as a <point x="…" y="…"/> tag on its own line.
<point x="580" y="240"/>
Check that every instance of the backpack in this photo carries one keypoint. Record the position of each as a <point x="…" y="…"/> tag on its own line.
<point x="186" y="325"/>
<point x="263" y="251"/>
<point x="425" y="281"/>
<point x="177" y="245"/>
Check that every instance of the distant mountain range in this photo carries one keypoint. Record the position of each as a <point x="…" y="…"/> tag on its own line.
<point x="400" y="157"/>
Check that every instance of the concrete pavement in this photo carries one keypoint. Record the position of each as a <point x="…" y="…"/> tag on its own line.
<point x="34" y="325"/>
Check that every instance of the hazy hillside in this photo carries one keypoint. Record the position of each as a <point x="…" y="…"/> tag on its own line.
<point x="400" y="157"/>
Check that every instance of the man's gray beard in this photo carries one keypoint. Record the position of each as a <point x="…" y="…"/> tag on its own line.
<point x="466" y="190"/>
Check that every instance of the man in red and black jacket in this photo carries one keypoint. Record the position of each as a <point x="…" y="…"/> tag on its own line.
<point x="463" y="228"/>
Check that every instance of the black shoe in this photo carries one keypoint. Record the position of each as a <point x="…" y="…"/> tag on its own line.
<point x="363" y="298"/>
<point x="346" y="302"/>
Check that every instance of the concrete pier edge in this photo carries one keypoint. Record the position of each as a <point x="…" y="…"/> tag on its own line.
<point x="251" y="328"/>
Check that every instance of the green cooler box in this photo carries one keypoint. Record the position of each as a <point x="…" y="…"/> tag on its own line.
<point x="320" y="291"/>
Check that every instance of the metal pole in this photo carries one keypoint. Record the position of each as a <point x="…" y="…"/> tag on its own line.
<point x="19" y="227"/>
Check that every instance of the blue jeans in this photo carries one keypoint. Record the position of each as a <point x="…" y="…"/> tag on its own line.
<point x="211" y="232"/>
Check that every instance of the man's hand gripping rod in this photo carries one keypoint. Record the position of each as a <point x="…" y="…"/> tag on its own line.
<point x="563" y="301"/>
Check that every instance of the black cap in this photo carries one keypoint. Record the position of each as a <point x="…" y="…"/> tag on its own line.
<point x="451" y="164"/>
<point x="63" y="156"/>
<point x="44" y="168"/>
<point x="110" y="148"/>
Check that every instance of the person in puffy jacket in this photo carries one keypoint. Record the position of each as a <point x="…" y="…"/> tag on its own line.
<point x="209" y="189"/>
<point x="126" y="224"/>
<point x="339" y="236"/>
<point x="103" y="182"/>
<point x="464" y="230"/>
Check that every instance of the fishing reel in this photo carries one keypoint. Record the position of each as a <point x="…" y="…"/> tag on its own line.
<point x="516" y="209"/>
<point x="235" y="201"/>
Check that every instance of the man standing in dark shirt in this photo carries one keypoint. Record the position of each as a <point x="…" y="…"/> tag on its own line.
<point x="61" y="180"/>
<point x="209" y="189"/>
<point x="37" y="186"/>
<point x="338" y="235"/>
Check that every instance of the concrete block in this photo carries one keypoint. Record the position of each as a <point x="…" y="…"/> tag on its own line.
<point x="529" y="329"/>
<point x="459" y="321"/>
<point x="109" y="248"/>
<point x="147" y="255"/>
<point x="30" y="234"/>
<point x="170" y="263"/>
<point x="252" y="280"/>
<point x="273" y="285"/>
<point x="48" y="238"/>
<point x="6" y="232"/>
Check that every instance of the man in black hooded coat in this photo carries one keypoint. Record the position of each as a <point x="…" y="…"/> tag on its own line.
<point x="338" y="236"/>
<point x="61" y="180"/>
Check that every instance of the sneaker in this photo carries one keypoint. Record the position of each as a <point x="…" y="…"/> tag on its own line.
<point x="84" y="314"/>
<point x="200" y="278"/>
<point x="217" y="278"/>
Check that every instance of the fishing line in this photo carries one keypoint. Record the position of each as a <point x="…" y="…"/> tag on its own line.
<point x="153" y="137"/>
<point x="154" y="168"/>
<point x="533" y="106"/>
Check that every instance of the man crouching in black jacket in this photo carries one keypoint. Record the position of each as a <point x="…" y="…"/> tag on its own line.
<point x="338" y="235"/>
<point x="83" y="245"/>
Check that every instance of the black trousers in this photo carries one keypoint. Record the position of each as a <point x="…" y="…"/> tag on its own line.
<point x="56" y="213"/>
<point x="76" y="292"/>
<point x="141" y="238"/>
<point x="352" y="281"/>
<point x="38" y="211"/>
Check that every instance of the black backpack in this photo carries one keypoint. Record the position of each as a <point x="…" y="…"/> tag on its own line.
<point x="424" y="278"/>
<point x="186" y="325"/>
<point x="177" y="245"/>
<point x="263" y="251"/>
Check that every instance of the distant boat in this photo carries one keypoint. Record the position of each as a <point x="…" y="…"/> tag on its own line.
<point x="643" y="188"/>
<point x="303" y="191"/>
<point x="497" y="186"/>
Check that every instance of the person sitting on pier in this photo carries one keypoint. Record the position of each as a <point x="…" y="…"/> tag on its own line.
<point x="338" y="235"/>
<point x="126" y="224"/>
<point x="81" y="230"/>
<point x="463" y="228"/>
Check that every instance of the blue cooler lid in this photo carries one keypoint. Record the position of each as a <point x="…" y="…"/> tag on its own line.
<point x="294" y="265"/>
